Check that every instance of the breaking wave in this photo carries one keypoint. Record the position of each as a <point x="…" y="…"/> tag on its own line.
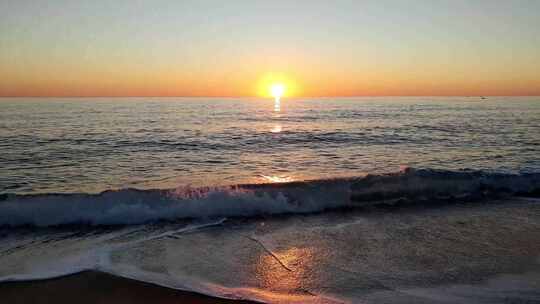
<point x="132" y="206"/>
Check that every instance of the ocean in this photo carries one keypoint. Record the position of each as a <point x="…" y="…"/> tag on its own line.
<point x="328" y="200"/>
<point x="90" y="145"/>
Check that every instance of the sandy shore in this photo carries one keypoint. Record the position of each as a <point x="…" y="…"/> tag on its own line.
<point x="96" y="287"/>
<point x="478" y="252"/>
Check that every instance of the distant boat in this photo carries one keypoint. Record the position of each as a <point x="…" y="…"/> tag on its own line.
<point x="483" y="97"/>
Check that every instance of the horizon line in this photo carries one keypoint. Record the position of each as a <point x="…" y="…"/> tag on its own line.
<point x="247" y="96"/>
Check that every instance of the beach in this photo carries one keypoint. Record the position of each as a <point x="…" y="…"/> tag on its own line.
<point x="474" y="252"/>
<point x="96" y="287"/>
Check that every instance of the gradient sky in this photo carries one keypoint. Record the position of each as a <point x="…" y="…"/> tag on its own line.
<point x="227" y="48"/>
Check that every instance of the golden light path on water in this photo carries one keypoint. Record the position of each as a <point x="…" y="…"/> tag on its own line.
<point x="277" y="178"/>
<point x="276" y="129"/>
<point x="277" y="105"/>
<point x="277" y="90"/>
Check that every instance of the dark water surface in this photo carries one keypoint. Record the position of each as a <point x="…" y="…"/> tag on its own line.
<point x="95" y="144"/>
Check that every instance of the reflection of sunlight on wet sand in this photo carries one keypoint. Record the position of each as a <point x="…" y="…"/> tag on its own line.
<point x="274" y="297"/>
<point x="276" y="129"/>
<point x="288" y="276"/>
<point x="285" y="270"/>
<point x="277" y="178"/>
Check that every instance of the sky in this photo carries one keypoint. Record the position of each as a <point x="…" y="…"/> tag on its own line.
<point x="237" y="47"/>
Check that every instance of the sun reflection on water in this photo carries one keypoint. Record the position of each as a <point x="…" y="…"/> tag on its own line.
<point x="276" y="129"/>
<point x="277" y="178"/>
<point x="277" y="90"/>
<point x="277" y="104"/>
<point x="285" y="270"/>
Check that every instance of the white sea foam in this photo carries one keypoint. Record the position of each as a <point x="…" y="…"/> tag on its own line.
<point x="96" y="257"/>
<point x="131" y="206"/>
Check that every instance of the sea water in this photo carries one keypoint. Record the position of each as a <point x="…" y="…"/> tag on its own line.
<point x="184" y="192"/>
<point x="89" y="145"/>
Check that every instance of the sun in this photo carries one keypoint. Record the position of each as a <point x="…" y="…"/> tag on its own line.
<point x="277" y="90"/>
<point x="276" y="85"/>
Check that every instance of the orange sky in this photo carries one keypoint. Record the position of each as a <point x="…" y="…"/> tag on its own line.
<point x="317" y="48"/>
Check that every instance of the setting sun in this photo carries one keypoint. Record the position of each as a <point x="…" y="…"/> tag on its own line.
<point x="277" y="85"/>
<point x="277" y="90"/>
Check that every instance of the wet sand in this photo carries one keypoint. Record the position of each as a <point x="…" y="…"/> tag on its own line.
<point x="97" y="287"/>
<point x="477" y="252"/>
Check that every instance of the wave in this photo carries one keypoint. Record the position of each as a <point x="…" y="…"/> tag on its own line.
<point x="133" y="206"/>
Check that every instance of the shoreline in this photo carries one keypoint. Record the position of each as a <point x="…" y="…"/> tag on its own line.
<point x="483" y="252"/>
<point x="98" y="287"/>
